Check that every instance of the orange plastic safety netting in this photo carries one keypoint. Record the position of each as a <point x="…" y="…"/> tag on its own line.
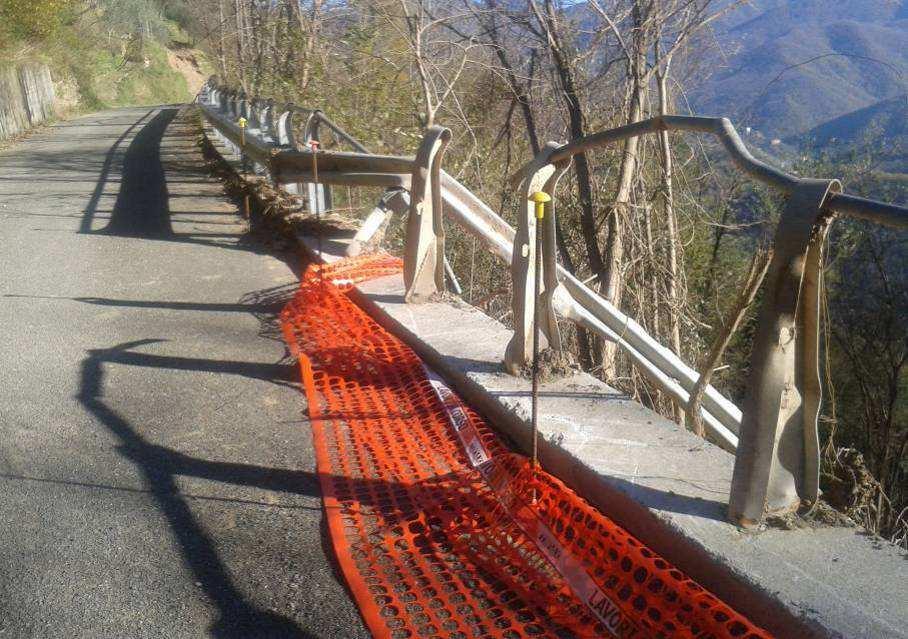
<point x="432" y="517"/>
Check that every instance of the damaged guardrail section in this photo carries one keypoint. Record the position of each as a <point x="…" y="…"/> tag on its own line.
<point x="774" y="438"/>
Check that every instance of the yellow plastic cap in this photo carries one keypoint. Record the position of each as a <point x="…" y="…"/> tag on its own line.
<point x="242" y="122"/>
<point x="540" y="197"/>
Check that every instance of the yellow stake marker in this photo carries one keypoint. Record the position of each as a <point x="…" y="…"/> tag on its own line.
<point x="242" y="122"/>
<point x="539" y="198"/>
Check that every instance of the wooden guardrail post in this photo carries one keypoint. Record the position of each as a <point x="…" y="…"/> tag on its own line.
<point x="424" y="272"/>
<point x="777" y="461"/>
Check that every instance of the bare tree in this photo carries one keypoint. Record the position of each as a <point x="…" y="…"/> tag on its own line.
<point x="309" y="20"/>
<point x="438" y="60"/>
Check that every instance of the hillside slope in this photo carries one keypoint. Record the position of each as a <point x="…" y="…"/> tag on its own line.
<point x="886" y="119"/>
<point x="99" y="59"/>
<point x="787" y="66"/>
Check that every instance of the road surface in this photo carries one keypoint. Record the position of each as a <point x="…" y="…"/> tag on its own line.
<point x="156" y="469"/>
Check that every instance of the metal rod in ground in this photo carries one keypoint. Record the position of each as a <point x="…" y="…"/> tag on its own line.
<point x="245" y="167"/>
<point x="539" y="198"/>
<point x="314" y="201"/>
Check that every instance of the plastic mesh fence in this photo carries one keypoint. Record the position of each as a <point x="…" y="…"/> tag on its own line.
<point x="432" y="518"/>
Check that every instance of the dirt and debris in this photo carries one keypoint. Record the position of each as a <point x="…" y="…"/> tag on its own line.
<point x="849" y="489"/>
<point x="277" y="218"/>
<point x="820" y="515"/>
<point x="185" y="61"/>
<point x="552" y="365"/>
<point x="847" y="482"/>
<point x="452" y="298"/>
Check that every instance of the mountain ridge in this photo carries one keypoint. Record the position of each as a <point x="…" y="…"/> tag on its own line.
<point x="786" y="67"/>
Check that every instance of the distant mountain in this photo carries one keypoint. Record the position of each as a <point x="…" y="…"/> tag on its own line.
<point x="787" y="67"/>
<point x="886" y="120"/>
<point x="882" y="127"/>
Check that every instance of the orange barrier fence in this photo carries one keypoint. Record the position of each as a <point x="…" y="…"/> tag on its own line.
<point x="439" y="529"/>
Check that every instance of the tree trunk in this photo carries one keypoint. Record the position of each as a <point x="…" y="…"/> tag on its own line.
<point x="312" y="30"/>
<point x="582" y="173"/>
<point x="752" y="282"/>
<point x="611" y="268"/>
<point x="671" y="225"/>
<point x="239" y="15"/>
<point x="222" y="49"/>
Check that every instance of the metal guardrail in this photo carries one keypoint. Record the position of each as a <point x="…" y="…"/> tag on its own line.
<point x="777" y="457"/>
<point x="774" y="439"/>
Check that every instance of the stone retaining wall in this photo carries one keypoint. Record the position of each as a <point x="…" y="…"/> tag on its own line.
<point x="26" y="98"/>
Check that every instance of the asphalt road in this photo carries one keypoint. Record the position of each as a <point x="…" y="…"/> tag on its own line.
<point x="156" y="469"/>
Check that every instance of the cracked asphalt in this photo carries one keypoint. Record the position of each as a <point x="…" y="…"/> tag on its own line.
<point x="156" y="468"/>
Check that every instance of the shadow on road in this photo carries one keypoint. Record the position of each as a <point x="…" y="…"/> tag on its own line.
<point x="142" y="208"/>
<point x="104" y="177"/>
<point x="239" y="619"/>
<point x="264" y="305"/>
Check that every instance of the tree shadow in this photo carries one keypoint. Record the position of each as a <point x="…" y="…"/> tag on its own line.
<point x="191" y="496"/>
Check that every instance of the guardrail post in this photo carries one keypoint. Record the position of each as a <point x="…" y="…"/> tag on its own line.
<point x="242" y="105"/>
<point x="242" y="113"/>
<point x="283" y="126"/>
<point x="393" y="201"/>
<point x="231" y="103"/>
<point x="283" y="133"/>
<point x="777" y="461"/>
<point x="424" y="272"/>
<point x="318" y="195"/>
<point x="253" y="108"/>
<point x="224" y="97"/>
<point x="256" y="129"/>
<point x="204" y="94"/>
<point x="268" y="129"/>
<point x="231" y="114"/>
<point x="542" y="176"/>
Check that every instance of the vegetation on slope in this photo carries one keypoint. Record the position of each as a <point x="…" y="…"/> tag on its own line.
<point x="102" y="53"/>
